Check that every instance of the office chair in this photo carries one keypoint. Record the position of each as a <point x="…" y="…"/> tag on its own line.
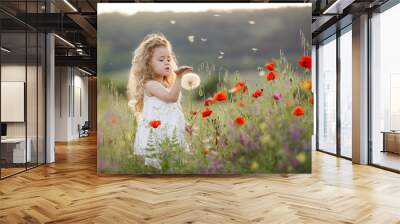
<point x="84" y="130"/>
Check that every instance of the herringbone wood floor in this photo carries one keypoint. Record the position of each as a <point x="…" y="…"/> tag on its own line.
<point x="70" y="191"/>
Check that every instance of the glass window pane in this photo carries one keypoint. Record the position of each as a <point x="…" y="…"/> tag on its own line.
<point x="346" y="94"/>
<point x="385" y="89"/>
<point x="13" y="86"/>
<point x="327" y="96"/>
<point x="31" y="97"/>
<point x="41" y="98"/>
<point x="22" y="87"/>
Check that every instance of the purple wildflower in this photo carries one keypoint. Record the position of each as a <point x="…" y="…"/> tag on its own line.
<point x="286" y="149"/>
<point x="222" y="142"/>
<point x="294" y="162"/>
<point x="242" y="139"/>
<point x="295" y="132"/>
<point x="216" y="166"/>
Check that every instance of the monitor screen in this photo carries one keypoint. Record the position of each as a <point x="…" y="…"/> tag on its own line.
<point x="3" y="129"/>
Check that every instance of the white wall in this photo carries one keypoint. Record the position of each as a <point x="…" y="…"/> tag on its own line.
<point x="71" y="87"/>
<point x="62" y="81"/>
<point x="16" y="73"/>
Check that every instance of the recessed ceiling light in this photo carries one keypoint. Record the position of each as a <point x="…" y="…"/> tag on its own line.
<point x="70" y="5"/>
<point x="84" y="71"/>
<point x="64" y="40"/>
<point x="337" y="7"/>
<point x="5" y="49"/>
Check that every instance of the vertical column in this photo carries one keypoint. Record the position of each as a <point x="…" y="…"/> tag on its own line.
<point x="50" y="92"/>
<point x="360" y="90"/>
<point x="338" y="99"/>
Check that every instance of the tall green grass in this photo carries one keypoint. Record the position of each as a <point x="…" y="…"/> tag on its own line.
<point x="272" y="140"/>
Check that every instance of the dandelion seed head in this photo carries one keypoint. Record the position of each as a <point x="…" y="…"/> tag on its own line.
<point x="191" y="38"/>
<point x="190" y="81"/>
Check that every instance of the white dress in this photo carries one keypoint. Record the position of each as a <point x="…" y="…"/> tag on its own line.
<point x="172" y="124"/>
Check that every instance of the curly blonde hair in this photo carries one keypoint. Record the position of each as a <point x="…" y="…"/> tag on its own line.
<point x="141" y="70"/>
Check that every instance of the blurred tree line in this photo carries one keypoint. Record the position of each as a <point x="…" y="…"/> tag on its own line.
<point x="230" y="32"/>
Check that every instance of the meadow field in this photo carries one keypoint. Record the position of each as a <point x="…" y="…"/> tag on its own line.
<point x="264" y="125"/>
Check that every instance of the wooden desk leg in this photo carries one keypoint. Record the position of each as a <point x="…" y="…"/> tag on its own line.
<point x="384" y="142"/>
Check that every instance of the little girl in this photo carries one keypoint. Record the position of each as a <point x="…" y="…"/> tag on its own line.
<point x="154" y="88"/>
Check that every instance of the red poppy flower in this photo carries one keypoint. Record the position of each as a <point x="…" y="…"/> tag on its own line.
<point x="205" y="151"/>
<point x="209" y="101"/>
<point x="240" y="120"/>
<point x="271" y="76"/>
<point x="298" y="111"/>
<point x="206" y="112"/>
<point x="270" y="66"/>
<point x="113" y="120"/>
<point x="240" y="86"/>
<point x="258" y="93"/>
<point x="305" y="62"/>
<point x="311" y="100"/>
<point x="155" y="123"/>
<point x="220" y="96"/>
<point x="194" y="113"/>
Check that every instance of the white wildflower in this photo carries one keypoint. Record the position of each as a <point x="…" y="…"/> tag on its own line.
<point x="260" y="71"/>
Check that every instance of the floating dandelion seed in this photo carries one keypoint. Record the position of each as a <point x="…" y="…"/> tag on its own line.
<point x="191" y="38"/>
<point x="220" y="57"/>
<point x="254" y="49"/>
<point x="260" y="71"/>
<point x="204" y="39"/>
<point x="221" y="53"/>
<point x="216" y="15"/>
<point x="172" y="21"/>
<point x="251" y="22"/>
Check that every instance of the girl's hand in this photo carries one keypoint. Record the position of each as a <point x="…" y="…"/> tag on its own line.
<point x="182" y="70"/>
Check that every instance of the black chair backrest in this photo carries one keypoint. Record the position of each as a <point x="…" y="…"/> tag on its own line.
<point x="86" y="125"/>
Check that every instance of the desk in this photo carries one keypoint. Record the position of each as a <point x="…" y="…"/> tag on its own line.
<point x="16" y="147"/>
<point x="391" y="141"/>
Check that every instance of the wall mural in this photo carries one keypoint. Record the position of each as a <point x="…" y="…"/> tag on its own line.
<point x="204" y="88"/>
